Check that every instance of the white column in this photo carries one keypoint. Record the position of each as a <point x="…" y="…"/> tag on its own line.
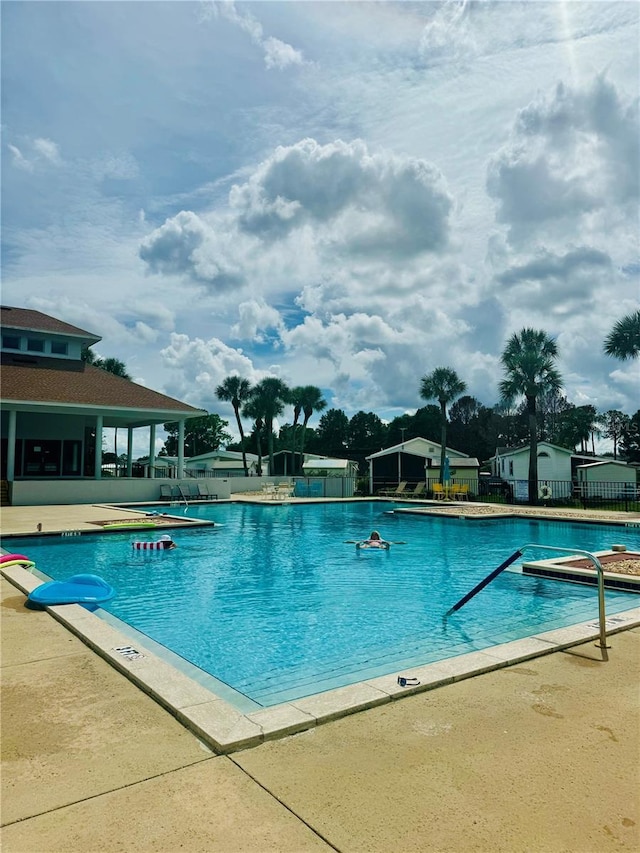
<point x="97" y="464"/>
<point x="180" y="449"/>
<point x="152" y="450"/>
<point x="11" y="447"/>
<point x="129" y="451"/>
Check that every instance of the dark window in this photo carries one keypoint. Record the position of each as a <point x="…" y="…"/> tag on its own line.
<point x="71" y="457"/>
<point x="42" y="458"/>
<point x="10" y="342"/>
<point x="35" y="344"/>
<point x="59" y="348"/>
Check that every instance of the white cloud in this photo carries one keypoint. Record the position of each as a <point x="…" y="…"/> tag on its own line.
<point x="309" y="212"/>
<point x="48" y="150"/>
<point x="40" y="152"/>
<point x="19" y="160"/>
<point x="187" y="245"/>
<point x="256" y="317"/>
<point x="277" y="54"/>
<point x="569" y="156"/>
<point x="199" y="366"/>
<point x="449" y="34"/>
<point x="376" y="202"/>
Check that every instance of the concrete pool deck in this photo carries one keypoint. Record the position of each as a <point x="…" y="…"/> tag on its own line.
<point x="92" y="763"/>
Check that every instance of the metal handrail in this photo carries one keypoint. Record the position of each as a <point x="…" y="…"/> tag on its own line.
<point x="600" y="571"/>
<point x="596" y="562"/>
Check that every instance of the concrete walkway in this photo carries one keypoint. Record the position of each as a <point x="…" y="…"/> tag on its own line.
<point x="537" y="757"/>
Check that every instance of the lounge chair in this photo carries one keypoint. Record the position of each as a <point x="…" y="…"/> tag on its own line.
<point x="391" y="493"/>
<point x="400" y="492"/>
<point x="205" y="492"/>
<point x="417" y="492"/>
<point x="165" y="493"/>
<point x="193" y="492"/>
<point x="182" y="492"/>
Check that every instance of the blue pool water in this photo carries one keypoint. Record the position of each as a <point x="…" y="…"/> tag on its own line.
<point x="277" y="605"/>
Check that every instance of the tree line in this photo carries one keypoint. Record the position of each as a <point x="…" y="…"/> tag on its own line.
<point x="531" y="408"/>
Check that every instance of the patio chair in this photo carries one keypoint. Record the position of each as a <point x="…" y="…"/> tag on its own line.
<point x="193" y="492"/>
<point x="204" y="490"/>
<point x="417" y="492"/>
<point x="438" y="491"/>
<point x="393" y="492"/>
<point x="401" y="491"/>
<point x="182" y="492"/>
<point x="463" y="493"/>
<point x="284" y="490"/>
<point x="165" y="493"/>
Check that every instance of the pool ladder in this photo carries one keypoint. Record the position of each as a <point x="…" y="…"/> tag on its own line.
<point x="602" y="622"/>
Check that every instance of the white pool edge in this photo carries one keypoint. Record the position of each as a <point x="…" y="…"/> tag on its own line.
<point x="226" y="729"/>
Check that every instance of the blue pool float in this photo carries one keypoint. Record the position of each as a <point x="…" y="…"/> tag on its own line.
<point x="79" y="589"/>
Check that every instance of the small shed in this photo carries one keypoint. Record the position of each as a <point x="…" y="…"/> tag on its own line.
<point x="224" y="463"/>
<point x="330" y="468"/>
<point x="610" y="479"/>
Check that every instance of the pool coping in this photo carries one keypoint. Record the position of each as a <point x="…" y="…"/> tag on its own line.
<point x="564" y="569"/>
<point x="226" y="729"/>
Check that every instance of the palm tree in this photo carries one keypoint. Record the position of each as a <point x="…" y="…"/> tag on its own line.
<point x="312" y="401"/>
<point x="530" y="369"/>
<point x="236" y="391"/>
<point x="269" y="397"/>
<point x="296" y="400"/>
<point x="253" y="409"/>
<point x="443" y="385"/>
<point x="623" y="341"/>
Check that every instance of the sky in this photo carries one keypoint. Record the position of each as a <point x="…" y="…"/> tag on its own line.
<point x="341" y="194"/>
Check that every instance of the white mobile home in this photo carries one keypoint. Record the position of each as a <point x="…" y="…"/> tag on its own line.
<point x="606" y="479"/>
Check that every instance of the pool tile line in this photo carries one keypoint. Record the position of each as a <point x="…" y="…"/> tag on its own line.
<point x="226" y="729"/>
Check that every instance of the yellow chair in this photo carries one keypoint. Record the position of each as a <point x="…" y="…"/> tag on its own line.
<point x="463" y="493"/>
<point x="438" y="491"/>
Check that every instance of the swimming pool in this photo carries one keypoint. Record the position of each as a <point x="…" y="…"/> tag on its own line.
<point x="277" y="605"/>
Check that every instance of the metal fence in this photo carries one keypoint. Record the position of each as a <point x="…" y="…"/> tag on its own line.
<point x="559" y="493"/>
